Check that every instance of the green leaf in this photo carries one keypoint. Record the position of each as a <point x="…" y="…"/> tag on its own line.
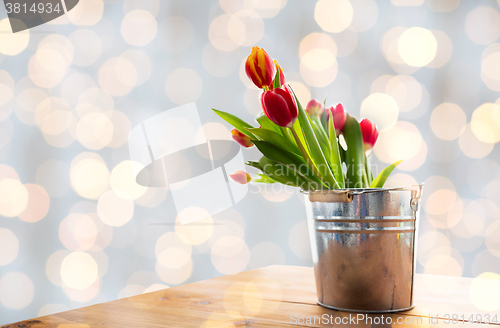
<point x="317" y="155"/>
<point x="298" y="130"/>
<point x="321" y="136"/>
<point x="278" y="154"/>
<point x="237" y="122"/>
<point x="324" y="120"/>
<point x="276" y="139"/>
<point x="288" y="134"/>
<point x="355" y="154"/>
<point x="264" y="178"/>
<point x="266" y="123"/>
<point x="277" y="80"/>
<point x="295" y="163"/>
<point x="281" y="173"/>
<point x="368" y="169"/>
<point x="335" y="160"/>
<point x="379" y="181"/>
<point x="255" y="165"/>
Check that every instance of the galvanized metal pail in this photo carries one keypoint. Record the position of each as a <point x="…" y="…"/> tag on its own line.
<point x="363" y="245"/>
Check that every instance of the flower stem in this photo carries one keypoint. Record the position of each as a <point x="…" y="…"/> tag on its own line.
<point x="306" y="156"/>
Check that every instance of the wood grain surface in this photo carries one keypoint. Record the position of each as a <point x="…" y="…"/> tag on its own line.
<point x="275" y="296"/>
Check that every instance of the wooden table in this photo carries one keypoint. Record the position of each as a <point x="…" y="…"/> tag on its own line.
<point x="276" y="296"/>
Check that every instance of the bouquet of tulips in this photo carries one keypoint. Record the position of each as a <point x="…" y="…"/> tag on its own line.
<point x="300" y="147"/>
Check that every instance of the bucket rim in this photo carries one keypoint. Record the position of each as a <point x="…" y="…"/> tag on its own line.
<point x="356" y="191"/>
<point x="347" y="195"/>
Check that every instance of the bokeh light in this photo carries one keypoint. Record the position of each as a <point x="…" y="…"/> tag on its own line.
<point x="13" y="197"/>
<point x="152" y="6"/>
<point x="318" y="65"/>
<point x="89" y="175"/>
<point x="174" y="264"/>
<point x="79" y="270"/>
<point x="123" y="182"/>
<point x="16" y="290"/>
<point x="403" y="141"/>
<point x="114" y="210"/>
<point x="485" y="123"/>
<point x="88" y="13"/>
<point x="485" y="292"/>
<point x="230" y="254"/>
<point x="226" y="32"/>
<point x="118" y="76"/>
<point x="482" y="25"/>
<point x="442" y="5"/>
<point x="471" y="146"/>
<point x="199" y="231"/>
<point x="417" y="46"/>
<point x="139" y="27"/>
<point x="333" y="15"/>
<point x="381" y="109"/>
<point x="12" y="44"/>
<point x="9" y="246"/>
<point x="38" y="203"/>
<point x="448" y="121"/>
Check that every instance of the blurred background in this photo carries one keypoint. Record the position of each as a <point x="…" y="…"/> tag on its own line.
<point x="75" y="228"/>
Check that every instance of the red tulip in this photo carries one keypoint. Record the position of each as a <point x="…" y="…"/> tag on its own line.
<point x="260" y="68"/>
<point x="339" y="117"/>
<point x="241" y="177"/>
<point x="314" y="107"/>
<point x="241" y="138"/>
<point x="369" y="132"/>
<point x="282" y="76"/>
<point x="279" y="106"/>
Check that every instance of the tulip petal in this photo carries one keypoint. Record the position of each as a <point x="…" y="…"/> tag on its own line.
<point x="241" y="177"/>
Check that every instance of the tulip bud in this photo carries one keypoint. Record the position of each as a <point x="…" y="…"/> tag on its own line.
<point x="260" y="68"/>
<point x="339" y="117"/>
<point x="314" y="107"/>
<point x="279" y="69"/>
<point x="241" y="138"/>
<point x="279" y="106"/>
<point x="241" y="177"/>
<point x="369" y="132"/>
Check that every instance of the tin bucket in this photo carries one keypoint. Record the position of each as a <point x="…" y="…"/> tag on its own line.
<point x="363" y="245"/>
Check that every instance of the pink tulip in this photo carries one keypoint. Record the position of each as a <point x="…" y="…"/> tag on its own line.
<point x="369" y="132"/>
<point x="241" y="138"/>
<point x="241" y="177"/>
<point x="314" y="107"/>
<point x="279" y="106"/>
<point x="339" y="117"/>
